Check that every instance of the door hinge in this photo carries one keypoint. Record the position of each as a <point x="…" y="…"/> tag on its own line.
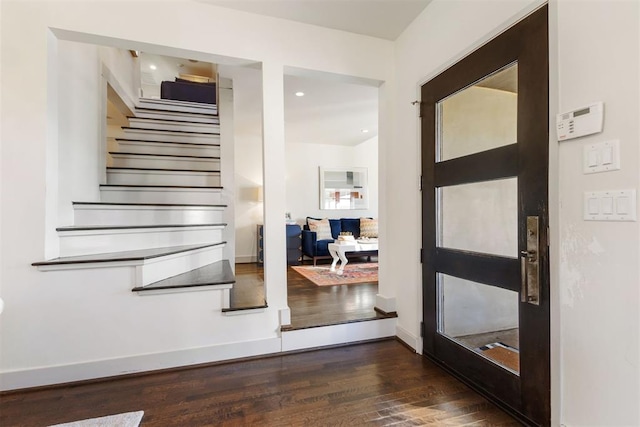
<point x="421" y="255"/>
<point x="420" y="183"/>
<point x="421" y="329"/>
<point x="421" y="114"/>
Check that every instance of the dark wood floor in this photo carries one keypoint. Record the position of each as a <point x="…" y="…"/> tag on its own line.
<point x="378" y="384"/>
<point x="310" y="305"/>
<point x="313" y="305"/>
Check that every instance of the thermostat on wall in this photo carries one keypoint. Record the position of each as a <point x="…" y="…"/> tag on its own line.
<point x="581" y="122"/>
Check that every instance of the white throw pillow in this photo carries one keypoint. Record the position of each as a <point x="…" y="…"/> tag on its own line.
<point x="321" y="227"/>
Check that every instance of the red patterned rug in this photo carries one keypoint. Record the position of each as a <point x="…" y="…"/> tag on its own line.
<point x="353" y="273"/>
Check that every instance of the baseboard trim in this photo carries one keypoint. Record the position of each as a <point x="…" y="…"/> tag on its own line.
<point x="55" y="375"/>
<point x="385" y="304"/>
<point x="246" y="259"/>
<point x="409" y="339"/>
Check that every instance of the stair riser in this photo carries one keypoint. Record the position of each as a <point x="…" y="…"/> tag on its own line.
<point x="165" y="267"/>
<point x="177" y="116"/>
<point x="159" y="125"/>
<point x="171" y="106"/>
<point x="147" y="216"/>
<point x="166" y="148"/>
<point x="206" y="197"/>
<point x="119" y="161"/>
<point x="153" y="135"/>
<point x="200" y="179"/>
<point x="88" y="242"/>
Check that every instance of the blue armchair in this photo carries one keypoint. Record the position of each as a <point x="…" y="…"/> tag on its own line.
<point x="317" y="249"/>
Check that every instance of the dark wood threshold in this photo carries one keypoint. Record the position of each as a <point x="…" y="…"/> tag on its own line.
<point x="163" y="110"/>
<point x="195" y="187"/>
<point x="246" y="308"/>
<point x="198" y="145"/>
<point x="136" y="255"/>
<point x="218" y="273"/>
<point x="287" y="328"/>
<point x="173" y="156"/>
<point x="133" y="227"/>
<point x="189" y="205"/>
<point x="188" y="132"/>
<point x="112" y="168"/>
<point x="173" y="121"/>
<point x="386" y="314"/>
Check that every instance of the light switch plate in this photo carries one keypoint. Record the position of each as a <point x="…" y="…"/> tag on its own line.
<point x="601" y="157"/>
<point x="614" y="205"/>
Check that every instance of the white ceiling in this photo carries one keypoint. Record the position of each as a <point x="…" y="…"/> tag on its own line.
<point x="384" y="19"/>
<point x="330" y="112"/>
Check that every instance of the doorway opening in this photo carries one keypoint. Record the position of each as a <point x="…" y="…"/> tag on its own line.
<point x="331" y="136"/>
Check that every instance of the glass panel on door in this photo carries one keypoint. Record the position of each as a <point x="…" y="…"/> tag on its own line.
<point x="480" y="217"/>
<point x="482" y="318"/>
<point x="481" y="117"/>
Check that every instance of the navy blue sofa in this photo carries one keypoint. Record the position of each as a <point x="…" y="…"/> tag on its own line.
<point x="184" y="90"/>
<point x="317" y="249"/>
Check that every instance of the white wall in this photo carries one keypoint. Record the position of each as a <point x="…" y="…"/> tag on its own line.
<point x="79" y="89"/>
<point x="598" y="261"/>
<point x="595" y="301"/>
<point x="78" y="326"/>
<point x="247" y="110"/>
<point x="82" y="93"/>
<point x="303" y="177"/>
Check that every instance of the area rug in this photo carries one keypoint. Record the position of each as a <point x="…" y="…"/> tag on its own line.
<point x="127" y="419"/>
<point x="502" y="354"/>
<point x="353" y="273"/>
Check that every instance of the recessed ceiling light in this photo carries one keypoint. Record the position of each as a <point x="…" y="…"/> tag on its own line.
<point x="364" y="130"/>
<point x="153" y="67"/>
<point x="299" y="93"/>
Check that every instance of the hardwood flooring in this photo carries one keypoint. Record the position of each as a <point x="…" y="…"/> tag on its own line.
<point x="310" y="305"/>
<point x="248" y="290"/>
<point x="375" y="384"/>
<point x="313" y="305"/>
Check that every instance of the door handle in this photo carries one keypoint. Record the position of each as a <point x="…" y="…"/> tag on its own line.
<point x="529" y="264"/>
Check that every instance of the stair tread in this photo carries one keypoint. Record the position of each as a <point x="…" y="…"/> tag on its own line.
<point x="115" y="168"/>
<point x="168" y="142"/>
<point x="185" y="122"/>
<point x="165" y="111"/>
<point x="179" y="103"/>
<point x="173" y="156"/>
<point x="132" y="227"/>
<point x="217" y="273"/>
<point x="184" y="187"/>
<point x="181" y="132"/>
<point x="151" y="204"/>
<point x="245" y="308"/>
<point x="135" y="255"/>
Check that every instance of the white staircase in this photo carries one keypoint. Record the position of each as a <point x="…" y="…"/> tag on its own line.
<point x="160" y="212"/>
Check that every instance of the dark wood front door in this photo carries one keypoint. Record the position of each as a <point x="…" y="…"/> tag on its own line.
<point x="485" y="222"/>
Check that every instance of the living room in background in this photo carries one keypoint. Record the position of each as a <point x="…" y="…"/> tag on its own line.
<point x="331" y="136"/>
